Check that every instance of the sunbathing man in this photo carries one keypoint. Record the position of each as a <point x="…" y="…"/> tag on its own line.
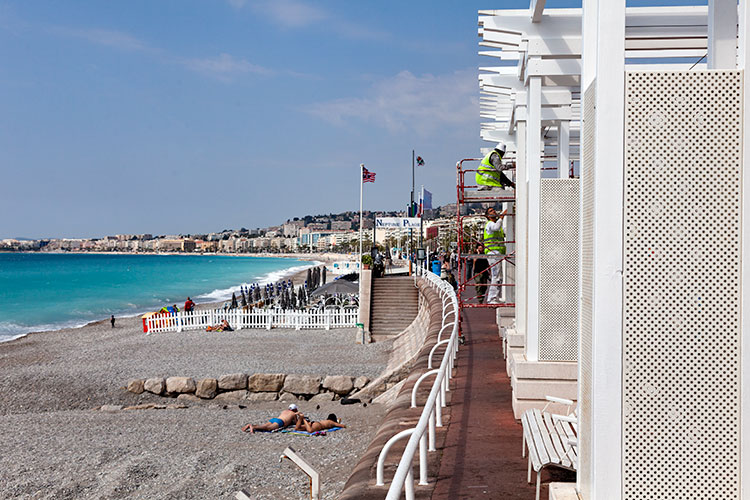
<point x="311" y="426"/>
<point x="283" y="420"/>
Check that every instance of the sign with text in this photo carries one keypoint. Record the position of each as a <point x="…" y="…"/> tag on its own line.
<point x="394" y="222"/>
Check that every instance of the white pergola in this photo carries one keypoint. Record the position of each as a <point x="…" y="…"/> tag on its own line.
<point x="650" y="101"/>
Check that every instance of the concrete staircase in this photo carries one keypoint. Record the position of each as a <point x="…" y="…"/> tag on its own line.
<point x="393" y="305"/>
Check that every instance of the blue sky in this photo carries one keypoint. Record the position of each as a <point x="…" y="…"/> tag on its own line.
<point x="189" y="116"/>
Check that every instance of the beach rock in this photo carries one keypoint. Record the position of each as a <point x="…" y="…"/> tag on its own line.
<point x="340" y="384"/>
<point x="111" y="408"/>
<point x="154" y="385"/>
<point x="174" y="406"/>
<point x="231" y="395"/>
<point x="266" y="382"/>
<point x="186" y="397"/>
<point x="180" y="385"/>
<point x="302" y="384"/>
<point x="233" y="382"/>
<point x="144" y="406"/>
<point x="136" y="386"/>
<point x="323" y="397"/>
<point x="206" y="388"/>
<point x="262" y="396"/>
<point x="286" y="397"/>
<point x="360" y="382"/>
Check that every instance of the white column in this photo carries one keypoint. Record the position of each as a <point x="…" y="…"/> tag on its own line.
<point x="533" y="166"/>
<point x="722" y="34"/>
<point x="563" y="149"/>
<point x="743" y="63"/>
<point x="606" y="426"/>
<point x="522" y="215"/>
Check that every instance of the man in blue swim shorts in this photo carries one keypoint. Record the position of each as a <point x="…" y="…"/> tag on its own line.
<point x="286" y="418"/>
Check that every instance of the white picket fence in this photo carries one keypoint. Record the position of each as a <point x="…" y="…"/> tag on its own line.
<point x="238" y="319"/>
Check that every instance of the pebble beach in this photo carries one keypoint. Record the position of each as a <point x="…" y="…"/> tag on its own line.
<point x="57" y="443"/>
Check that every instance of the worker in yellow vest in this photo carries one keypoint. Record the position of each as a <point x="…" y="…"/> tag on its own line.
<point x="494" y="249"/>
<point x="489" y="174"/>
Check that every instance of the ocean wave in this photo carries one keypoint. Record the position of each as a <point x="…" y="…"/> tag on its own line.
<point x="11" y="331"/>
<point x="271" y="277"/>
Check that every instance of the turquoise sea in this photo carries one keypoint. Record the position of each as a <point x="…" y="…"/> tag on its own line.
<point x="40" y="291"/>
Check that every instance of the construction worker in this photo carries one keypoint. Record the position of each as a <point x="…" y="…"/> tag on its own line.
<point x="494" y="249"/>
<point x="489" y="174"/>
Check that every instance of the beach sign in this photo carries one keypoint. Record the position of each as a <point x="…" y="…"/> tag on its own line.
<point x="398" y="222"/>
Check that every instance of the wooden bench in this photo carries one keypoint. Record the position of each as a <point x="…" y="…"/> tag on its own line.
<point x="550" y="440"/>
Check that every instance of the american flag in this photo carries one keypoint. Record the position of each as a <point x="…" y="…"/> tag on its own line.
<point x="367" y="176"/>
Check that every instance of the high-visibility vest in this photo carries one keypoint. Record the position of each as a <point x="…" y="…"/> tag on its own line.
<point x="493" y="242"/>
<point x="487" y="175"/>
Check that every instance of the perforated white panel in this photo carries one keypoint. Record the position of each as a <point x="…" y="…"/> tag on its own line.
<point x="681" y="330"/>
<point x="558" y="270"/>
<point x="587" y="287"/>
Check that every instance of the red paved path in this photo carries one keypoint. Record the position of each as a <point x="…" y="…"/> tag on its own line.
<point x="482" y="454"/>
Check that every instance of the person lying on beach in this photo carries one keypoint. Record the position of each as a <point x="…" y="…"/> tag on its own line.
<point x="303" y="424"/>
<point x="284" y="419"/>
<point x="222" y="327"/>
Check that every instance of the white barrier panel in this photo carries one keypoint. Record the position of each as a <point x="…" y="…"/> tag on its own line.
<point x="240" y="319"/>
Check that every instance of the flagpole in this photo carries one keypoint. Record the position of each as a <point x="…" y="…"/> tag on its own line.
<point x="361" y="183"/>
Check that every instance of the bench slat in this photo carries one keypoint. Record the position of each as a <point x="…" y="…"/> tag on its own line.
<point x="556" y="441"/>
<point x="546" y="442"/>
<point x="531" y="446"/>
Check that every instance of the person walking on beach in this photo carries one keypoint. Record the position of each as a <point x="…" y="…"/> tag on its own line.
<point x="189" y="305"/>
<point x="112" y="320"/>
<point x="285" y="419"/>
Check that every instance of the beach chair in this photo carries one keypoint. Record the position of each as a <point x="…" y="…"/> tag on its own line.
<point x="550" y="440"/>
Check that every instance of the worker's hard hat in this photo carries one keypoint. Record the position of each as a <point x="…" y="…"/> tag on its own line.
<point x="500" y="147"/>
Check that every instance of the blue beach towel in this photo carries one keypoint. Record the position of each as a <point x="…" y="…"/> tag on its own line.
<point x="305" y="433"/>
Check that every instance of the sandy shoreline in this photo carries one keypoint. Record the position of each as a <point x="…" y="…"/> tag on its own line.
<point x="55" y="445"/>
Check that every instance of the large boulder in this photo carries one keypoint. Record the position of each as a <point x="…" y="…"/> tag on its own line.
<point x="340" y="384"/>
<point x="360" y="382"/>
<point x="187" y="397"/>
<point x="302" y="384"/>
<point x="266" y="382"/>
<point x="233" y="381"/>
<point x="154" y="385"/>
<point x="136" y="386"/>
<point x="323" y="397"/>
<point x="231" y="395"/>
<point x="207" y="388"/>
<point x="262" y="396"/>
<point x="180" y="385"/>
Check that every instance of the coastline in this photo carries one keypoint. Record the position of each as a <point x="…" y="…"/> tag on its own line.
<point x="189" y="449"/>
<point x="297" y="276"/>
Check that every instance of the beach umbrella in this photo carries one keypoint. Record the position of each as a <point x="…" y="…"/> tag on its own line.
<point x="308" y="281"/>
<point x="293" y="297"/>
<point x="324" y="275"/>
<point x="234" y="301"/>
<point x="244" y="302"/>
<point x="256" y="294"/>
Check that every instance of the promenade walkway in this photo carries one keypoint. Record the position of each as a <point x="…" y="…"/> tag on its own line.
<point x="482" y="453"/>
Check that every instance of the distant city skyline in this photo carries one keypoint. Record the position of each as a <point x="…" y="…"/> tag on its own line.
<point x="187" y="116"/>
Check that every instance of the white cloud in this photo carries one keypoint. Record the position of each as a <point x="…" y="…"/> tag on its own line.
<point x="408" y="102"/>
<point x="288" y="13"/>
<point x="108" y="38"/>
<point x="225" y="67"/>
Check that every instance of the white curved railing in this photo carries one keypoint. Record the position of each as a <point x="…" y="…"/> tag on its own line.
<point x="432" y="413"/>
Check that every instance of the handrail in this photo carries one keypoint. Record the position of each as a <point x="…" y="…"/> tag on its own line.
<point x="431" y="414"/>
